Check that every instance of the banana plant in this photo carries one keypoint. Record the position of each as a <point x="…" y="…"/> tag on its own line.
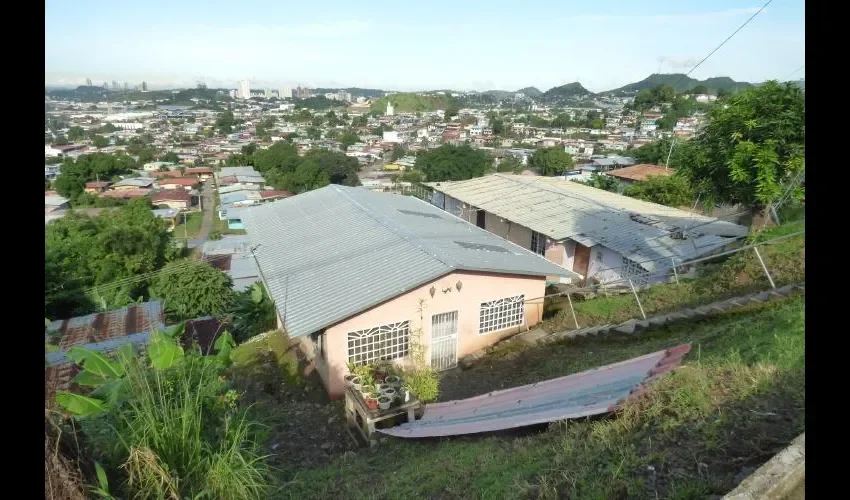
<point x="107" y="377"/>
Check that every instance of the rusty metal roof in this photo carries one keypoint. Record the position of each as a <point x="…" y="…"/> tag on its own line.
<point x="592" y="392"/>
<point x="102" y="326"/>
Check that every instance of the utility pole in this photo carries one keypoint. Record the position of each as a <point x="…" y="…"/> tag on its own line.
<point x="667" y="163"/>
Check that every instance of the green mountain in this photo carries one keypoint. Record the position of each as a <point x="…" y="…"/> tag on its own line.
<point x="680" y="82"/>
<point x="568" y="91"/>
<point x="499" y="94"/>
<point x="410" y="102"/>
<point x="530" y="91"/>
<point x="355" y="92"/>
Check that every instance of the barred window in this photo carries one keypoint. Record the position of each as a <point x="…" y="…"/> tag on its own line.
<point x="383" y="342"/>
<point x="635" y="272"/>
<point x="538" y="243"/>
<point x="500" y="314"/>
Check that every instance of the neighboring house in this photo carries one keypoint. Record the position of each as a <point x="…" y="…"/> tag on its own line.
<point x="613" y="162"/>
<point x="183" y="183"/>
<point x="127" y="194"/>
<point x="52" y="171"/>
<point x="638" y="173"/>
<point x="154" y="166"/>
<point x="62" y="150"/>
<point x="383" y="273"/>
<point x="203" y="173"/>
<point x="232" y="255"/>
<point x="96" y="187"/>
<point x="177" y="199"/>
<point x="233" y="217"/>
<point x="133" y="183"/>
<point x="602" y="236"/>
<point x="168" y="214"/>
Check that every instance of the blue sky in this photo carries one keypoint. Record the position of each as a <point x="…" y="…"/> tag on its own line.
<point x="417" y="45"/>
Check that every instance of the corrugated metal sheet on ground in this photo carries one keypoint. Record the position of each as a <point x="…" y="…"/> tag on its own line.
<point x="592" y="392"/>
<point x="563" y="209"/>
<point x="332" y="252"/>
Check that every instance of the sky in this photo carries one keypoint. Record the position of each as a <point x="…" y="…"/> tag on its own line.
<point x="440" y="44"/>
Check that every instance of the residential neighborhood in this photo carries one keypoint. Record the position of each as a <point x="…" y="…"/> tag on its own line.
<point x="397" y="266"/>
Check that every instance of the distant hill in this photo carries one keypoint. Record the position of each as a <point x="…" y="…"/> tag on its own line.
<point x="410" y="103"/>
<point x="530" y="92"/>
<point x="357" y="92"/>
<point x="680" y="82"/>
<point x="569" y="91"/>
<point x="499" y="94"/>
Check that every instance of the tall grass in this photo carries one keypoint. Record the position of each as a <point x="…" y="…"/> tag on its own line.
<point x="180" y="435"/>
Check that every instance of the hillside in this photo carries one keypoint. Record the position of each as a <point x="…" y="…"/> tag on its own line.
<point x="680" y="82"/>
<point x="355" y="92"/>
<point x="177" y="97"/>
<point x="569" y="91"/>
<point x="530" y="92"/>
<point x="410" y="103"/>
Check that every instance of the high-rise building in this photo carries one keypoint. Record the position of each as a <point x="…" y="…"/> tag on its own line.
<point x="285" y="93"/>
<point x="390" y="109"/>
<point x="244" y="89"/>
<point x="268" y="93"/>
<point x="234" y="94"/>
<point x="88" y="82"/>
<point x="144" y="86"/>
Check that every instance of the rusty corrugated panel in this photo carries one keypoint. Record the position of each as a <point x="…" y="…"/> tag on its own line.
<point x="99" y="327"/>
<point x="592" y="392"/>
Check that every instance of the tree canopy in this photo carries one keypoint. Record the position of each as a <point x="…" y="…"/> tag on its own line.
<point x="551" y="161"/>
<point x="170" y="157"/>
<point x="191" y="289"/>
<point x="83" y="252"/>
<point x="225" y="122"/>
<point x="284" y="169"/>
<point x="751" y="148"/>
<point x="453" y="163"/>
<point x="510" y="164"/>
<point x="671" y="190"/>
<point x="605" y="182"/>
<point x="74" y="174"/>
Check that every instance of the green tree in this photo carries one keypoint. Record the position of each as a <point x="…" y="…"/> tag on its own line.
<point x="671" y="190"/>
<point x="225" y="122"/>
<point x="191" y="289"/>
<point x="145" y="156"/>
<point x="751" y="148"/>
<point x="76" y="133"/>
<point x="60" y="140"/>
<point x="253" y="313"/>
<point x="605" y="182"/>
<point x="656" y="152"/>
<point x="551" y="161"/>
<point x="75" y="174"/>
<point x="99" y="141"/>
<point x="699" y="90"/>
<point x="510" y="164"/>
<point x="452" y="109"/>
<point x="348" y="138"/>
<point x="397" y="152"/>
<point x="314" y="133"/>
<point x="170" y="157"/>
<point x="453" y="163"/>
<point x="360" y="121"/>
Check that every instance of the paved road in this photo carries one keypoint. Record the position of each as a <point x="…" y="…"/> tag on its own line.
<point x="207" y="201"/>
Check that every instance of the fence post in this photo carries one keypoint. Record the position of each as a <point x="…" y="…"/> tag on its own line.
<point x="637" y="299"/>
<point x="675" y="274"/>
<point x="572" y="310"/>
<point x="764" y="267"/>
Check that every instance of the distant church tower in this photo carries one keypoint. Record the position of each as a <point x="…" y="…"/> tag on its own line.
<point x="390" y="109"/>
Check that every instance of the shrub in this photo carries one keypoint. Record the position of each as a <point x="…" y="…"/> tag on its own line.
<point x="192" y="289"/>
<point x="423" y="383"/>
<point x="253" y="313"/>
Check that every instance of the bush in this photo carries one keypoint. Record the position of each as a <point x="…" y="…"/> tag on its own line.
<point x="254" y="313"/>
<point x="423" y="383"/>
<point x="191" y="289"/>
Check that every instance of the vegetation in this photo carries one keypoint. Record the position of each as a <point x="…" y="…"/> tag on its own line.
<point x="510" y="164"/>
<point x="551" y="161"/>
<point x="284" y="169"/>
<point x="453" y="163"/>
<point x="93" y="262"/>
<point x="253" y="313"/>
<point x="670" y="190"/>
<point x="191" y="228"/>
<point x="751" y="149"/>
<point x="743" y="369"/>
<point x="75" y="174"/>
<point x="224" y="123"/>
<point x="181" y="434"/>
<point x="318" y="103"/>
<point x="409" y="103"/>
<point x="601" y="181"/>
<point x="568" y="91"/>
<point x="192" y="289"/>
<point x="681" y="83"/>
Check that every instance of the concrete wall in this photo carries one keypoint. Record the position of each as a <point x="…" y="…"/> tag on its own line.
<point x="417" y="306"/>
<point x="508" y="230"/>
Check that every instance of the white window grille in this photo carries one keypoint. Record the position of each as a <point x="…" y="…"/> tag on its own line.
<point x="500" y="314"/>
<point x="383" y="342"/>
<point x="635" y="272"/>
<point x="538" y="243"/>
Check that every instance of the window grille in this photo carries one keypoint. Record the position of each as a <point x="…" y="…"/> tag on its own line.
<point x="500" y="314"/>
<point x="635" y="272"/>
<point x="383" y="342"/>
<point x="538" y="243"/>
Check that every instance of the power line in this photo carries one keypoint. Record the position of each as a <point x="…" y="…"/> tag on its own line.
<point x="793" y="72"/>
<point x="723" y="43"/>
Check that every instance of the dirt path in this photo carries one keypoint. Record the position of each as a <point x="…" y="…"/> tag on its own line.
<point x="207" y="201"/>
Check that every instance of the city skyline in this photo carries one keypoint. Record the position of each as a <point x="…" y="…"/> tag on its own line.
<point x="468" y="47"/>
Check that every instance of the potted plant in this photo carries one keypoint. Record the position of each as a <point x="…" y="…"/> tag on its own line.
<point x="384" y="402"/>
<point x="368" y="390"/>
<point x="404" y="394"/>
<point x="392" y="380"/>
<point x="348" y="378"/>
<point x="389" y="392"/>
<point x="355" y="383"/>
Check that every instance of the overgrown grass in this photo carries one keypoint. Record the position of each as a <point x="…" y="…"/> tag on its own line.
<point x="739" y="274"/>
<point x="191" y="228"/>
<point x="738" y="399"/>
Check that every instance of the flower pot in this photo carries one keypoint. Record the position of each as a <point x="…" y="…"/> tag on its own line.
<point x="367" y="390"/>
<point x="380" y="387"/>
<point x="404" y="394"/>
<point x="371" y="403"/>
<point x="352" y="380"/>
<point x="384" y="402"/>
<point x="389" y="392"/>
<point x="392" y="380"/>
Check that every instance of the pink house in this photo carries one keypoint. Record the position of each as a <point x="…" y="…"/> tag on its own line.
<point x="360" y="276"/>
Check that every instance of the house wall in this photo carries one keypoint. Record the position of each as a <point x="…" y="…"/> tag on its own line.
<point x="508" y="230"/>
<point x="476" y="288"/>
<point x="175" y="204"/>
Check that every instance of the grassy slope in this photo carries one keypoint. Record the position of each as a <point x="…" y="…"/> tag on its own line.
<point x="192" y="226"/>
<point x="738" y="275"/>
<point x="409" y="103"/>
<point x="738" y="399"/>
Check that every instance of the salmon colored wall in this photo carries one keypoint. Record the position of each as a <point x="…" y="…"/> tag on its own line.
<point x="555" y="252"/>
<point x="476" y="288"/>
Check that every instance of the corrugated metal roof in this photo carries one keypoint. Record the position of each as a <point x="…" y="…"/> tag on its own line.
<point x="563" y="209"/>
<point x="99" y="327"/>
<point x="237" y="187"/>
<point x="592" y="392"/>
<point x="134" y="182"/>
<point x="228" y="243"/>
<point x="234" y="171"/>
<point x="330" y="253"/>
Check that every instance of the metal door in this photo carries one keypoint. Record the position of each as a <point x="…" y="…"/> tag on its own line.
<point x="444" y="340"/>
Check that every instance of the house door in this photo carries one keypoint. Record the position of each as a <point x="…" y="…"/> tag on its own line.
<point x="480" y="217"/>
<point x="444" y="340"/>
<point x="581" y="259"/>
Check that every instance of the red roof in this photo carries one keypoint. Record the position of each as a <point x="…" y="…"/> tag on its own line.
<point x="640" y="172"/>
<point x="96" y="184"/>
<point x="169" y="173"/>
<point x="172" y="195"/>
<point x="272" y="193"/>
<point x="97" y="327"/>
<point x="127" y="193"/>
<point x="228" y="179"/>
<point x="199" y="170"/>
<point x="181" y="181"/>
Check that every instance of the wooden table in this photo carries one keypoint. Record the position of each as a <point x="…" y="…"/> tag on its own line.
<point x="356" y="409"/>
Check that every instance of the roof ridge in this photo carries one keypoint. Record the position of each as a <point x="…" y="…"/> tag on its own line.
<point x="398" y="230"/>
